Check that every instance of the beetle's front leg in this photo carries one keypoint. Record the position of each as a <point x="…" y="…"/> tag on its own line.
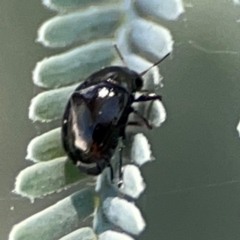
<point x="145" y="121"/>
<point x="149" y="97"/>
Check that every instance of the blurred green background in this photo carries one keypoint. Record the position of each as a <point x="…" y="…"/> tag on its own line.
<point x="193" y="189"/>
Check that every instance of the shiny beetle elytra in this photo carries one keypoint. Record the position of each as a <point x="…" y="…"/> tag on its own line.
<point x="97" y="114"/>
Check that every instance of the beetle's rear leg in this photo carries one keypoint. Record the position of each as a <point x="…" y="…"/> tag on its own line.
<point x="120" y="164"/>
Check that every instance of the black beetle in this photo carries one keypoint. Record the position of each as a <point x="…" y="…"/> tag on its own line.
<point x="97" y="114"/>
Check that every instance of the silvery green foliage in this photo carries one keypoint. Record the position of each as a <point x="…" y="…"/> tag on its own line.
<point x="57" y="220"/>
<point x="95" y="25"/>
<point x="108" y="235"/>
<point x="124" y="214"/>
<point x="57" y="99"/>
<point x="238" y="128"/>
<point x="236" y="2"/>
<point x="141" y="152"/>
<point x="133" y="183"/>
<point x="45" y="147"/>
<point x="74" y="65"/>
<point x="47" y="177"/>
<point x="63" y="30"/>
<point x="84" y="233"/>
<point x="169" y="10"/>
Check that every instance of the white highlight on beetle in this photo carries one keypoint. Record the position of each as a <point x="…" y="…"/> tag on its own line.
<point x="111" y="94"/>
<point x="104" y="92"/>
<point x="79" y="142"/>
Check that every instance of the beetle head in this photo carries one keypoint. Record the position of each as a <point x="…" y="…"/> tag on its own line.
<point x="125" y="77"/>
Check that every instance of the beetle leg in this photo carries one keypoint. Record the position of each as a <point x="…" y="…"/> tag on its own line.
<point x="93" y="169"/>
<point x="150" y="97"/>
<point x="135" y="123"/>
<point x="111" y="172"/>
<point x="120" y="163"/>
<point x="147" y="124"/>
<point x="139" y="124"/>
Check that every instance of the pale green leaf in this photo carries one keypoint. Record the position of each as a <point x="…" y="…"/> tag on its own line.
<point x="50" y="105"/>
<point x="44" y="178"/>
<point x="150" y="40"/>
<point x="64" y="6"/>
<point x="85" y="233"/>
<point x="58" y="220"/>
<point x="170" y="9"/>
<point x="81" y="27"/>
<point x="73" y="66"/>
<point x="46" y="146"/>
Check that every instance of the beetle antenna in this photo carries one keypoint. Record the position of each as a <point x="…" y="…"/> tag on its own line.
<point x="119" y="54"/>
<point x="155" y="64"/>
